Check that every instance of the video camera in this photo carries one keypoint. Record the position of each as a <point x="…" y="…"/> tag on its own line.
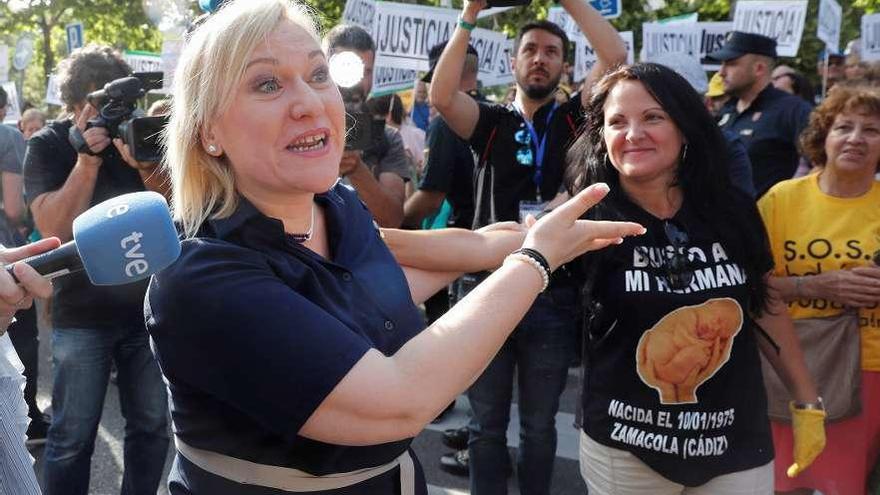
<point x="117" y="110"/>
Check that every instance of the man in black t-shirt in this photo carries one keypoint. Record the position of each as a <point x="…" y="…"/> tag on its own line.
<point x="521" y="161"/>
<point x="94" y="326"/>
<point x="449" y="161"/>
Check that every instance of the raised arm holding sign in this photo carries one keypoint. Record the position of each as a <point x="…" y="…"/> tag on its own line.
<point x="461" y="112"/>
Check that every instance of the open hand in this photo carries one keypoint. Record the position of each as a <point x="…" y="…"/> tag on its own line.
<point x="561" y="236"/>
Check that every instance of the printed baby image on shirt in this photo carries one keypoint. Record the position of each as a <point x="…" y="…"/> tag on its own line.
<point x="686" y="347"/>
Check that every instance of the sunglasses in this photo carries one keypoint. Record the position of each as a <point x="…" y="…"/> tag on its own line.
<point x="523" y="138"/>
<point x="679" y="269"/>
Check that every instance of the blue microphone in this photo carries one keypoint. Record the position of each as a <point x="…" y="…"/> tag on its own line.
<point x="122" y="240"/>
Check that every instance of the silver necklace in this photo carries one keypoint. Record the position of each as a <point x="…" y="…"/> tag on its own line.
<point x="307" y="235"/>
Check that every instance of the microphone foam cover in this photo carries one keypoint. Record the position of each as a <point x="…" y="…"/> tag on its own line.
<point x="126" y="238"/>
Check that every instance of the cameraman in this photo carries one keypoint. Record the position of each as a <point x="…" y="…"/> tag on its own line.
<point x="94" y="326"/>
<point x="379" y="173"/>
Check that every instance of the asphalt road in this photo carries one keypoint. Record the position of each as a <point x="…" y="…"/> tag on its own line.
<point x="106" y="473"/>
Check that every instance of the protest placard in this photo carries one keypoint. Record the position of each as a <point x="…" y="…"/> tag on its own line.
<point x="660" y="39"/>
<point x="13" y="110"/>
<point x="53" y="92"/>
<point x="871" y="37"/>
<point x="143" y="61"/>
<point x="171" y="48"/>
<point x="503" y="72"/>
<point x="4" y="63"/>
<point x="490" y="47"/>
<point x="585" y="56"/>
<point x="391" y="80"/>
<point x="782" y="20"/>
<point x="405" y="33"/>
<point x="360" y="13"/>
<point x="712" y="36"/>
<point x="828" y="27"/>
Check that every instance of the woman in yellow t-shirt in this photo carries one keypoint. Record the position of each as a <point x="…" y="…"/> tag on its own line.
<point x="824" y="231"/>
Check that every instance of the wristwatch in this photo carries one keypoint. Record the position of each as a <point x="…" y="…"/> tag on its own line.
<point x="819" y="405"/>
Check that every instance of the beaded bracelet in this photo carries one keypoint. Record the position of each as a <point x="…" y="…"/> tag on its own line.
<point x="531" y="261"/>
<point x="534" y="253"/>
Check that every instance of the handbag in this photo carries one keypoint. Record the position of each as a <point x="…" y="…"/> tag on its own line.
<point x="832" y="351"/>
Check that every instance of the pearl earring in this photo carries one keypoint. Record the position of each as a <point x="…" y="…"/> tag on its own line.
<point x="212" y="148"/>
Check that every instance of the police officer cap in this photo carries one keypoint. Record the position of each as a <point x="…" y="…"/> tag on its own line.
<point x="739" y="43"/>
<point x="434" y="56"/>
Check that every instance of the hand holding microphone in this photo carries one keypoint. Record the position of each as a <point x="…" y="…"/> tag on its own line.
<point x="119" y="241"/>
<point x="14" y="297"/>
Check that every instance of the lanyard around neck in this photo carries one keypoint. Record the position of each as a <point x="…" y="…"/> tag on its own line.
<point x="540" y="144"/>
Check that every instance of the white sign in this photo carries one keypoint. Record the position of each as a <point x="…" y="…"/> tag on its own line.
<point x="143" y="61"/>
<point x="491" y="52"/>
<point x="828" y="27"/>
<point x="24" y="51"/>
<point x="4" y="63"/>
<point x="13" y="111"/>
<point x="585" y="57"/>
<point x="660" y="39"/>
<point x="712" y="38"/>
<point x="405" y="33"/>
<point x="390" y="80"/>
<point x="559" y="16"/>
<point x="171" y="49"/>
<point x="871" y="37"/>
<point x="782" y="20"/>
<point x="503" y="73"/>
<point x="360" y="13"/>
<point x="53" y="91"/>
<point x="493" y="65"/>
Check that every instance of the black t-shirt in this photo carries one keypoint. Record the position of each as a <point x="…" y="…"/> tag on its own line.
<point x="769" y="128"/>
<point x="674" y="376"/>
<point x="449" y="168"/>
<point x="503" y="176"/>
<point x="48" y="161"/>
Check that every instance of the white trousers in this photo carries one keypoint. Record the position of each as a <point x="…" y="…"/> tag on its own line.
<point x="610" y="471"/>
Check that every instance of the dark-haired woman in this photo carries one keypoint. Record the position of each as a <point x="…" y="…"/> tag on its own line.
<point x="673" y="399"/>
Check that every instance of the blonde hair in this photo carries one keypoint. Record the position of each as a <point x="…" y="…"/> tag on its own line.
<point x="209" y="70"/>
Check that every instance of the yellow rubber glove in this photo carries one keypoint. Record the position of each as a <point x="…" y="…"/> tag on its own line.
<point x="808" y="427"/>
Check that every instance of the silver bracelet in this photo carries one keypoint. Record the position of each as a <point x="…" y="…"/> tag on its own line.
<point x="545" y="277"/>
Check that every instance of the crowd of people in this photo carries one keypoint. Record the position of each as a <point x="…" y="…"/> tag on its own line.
<point x="705" y="249"/>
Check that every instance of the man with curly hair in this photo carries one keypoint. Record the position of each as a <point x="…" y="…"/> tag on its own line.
<point x="69" y="167"/>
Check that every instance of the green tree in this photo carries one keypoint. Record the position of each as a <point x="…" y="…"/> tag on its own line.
<point x="121" y="24"/>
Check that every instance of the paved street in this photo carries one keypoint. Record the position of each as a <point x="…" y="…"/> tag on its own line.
<point x="107" y="461"/>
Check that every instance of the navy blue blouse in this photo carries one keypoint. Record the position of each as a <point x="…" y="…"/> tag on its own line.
<point x="253" y="331"/>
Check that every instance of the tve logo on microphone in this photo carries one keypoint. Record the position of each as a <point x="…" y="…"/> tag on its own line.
<point x="126" y="238"/>
<point x="138" y="264"/>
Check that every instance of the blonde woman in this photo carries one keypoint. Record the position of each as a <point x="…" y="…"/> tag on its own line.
<point x="293" y="351"/>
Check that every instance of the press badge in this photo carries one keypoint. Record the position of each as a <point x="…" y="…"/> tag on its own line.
<point x="530" y="207"/>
